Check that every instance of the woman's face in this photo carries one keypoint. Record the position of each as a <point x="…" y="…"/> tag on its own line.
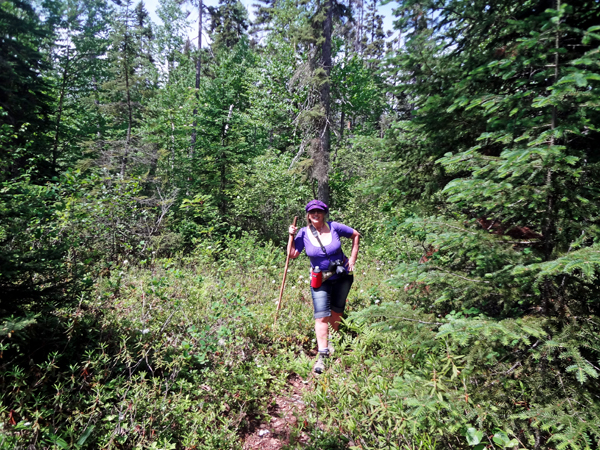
<point x="316" y="217"/>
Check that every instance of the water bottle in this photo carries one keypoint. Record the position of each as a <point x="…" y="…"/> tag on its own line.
<point x="316" y="278"/>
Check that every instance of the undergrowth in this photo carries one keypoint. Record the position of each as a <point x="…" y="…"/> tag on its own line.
<point x="182" y="353"/>
<point x="167" y="353"/>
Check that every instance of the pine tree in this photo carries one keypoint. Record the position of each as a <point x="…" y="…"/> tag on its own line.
<point x="78" y="64"/>
<point x="133" y="79"/>
<point x="24" y="100"/>
<point x="373" y="41"/>
<point x="223" y="144"/>
<point x="171" y="35"/>
<point x="502" y="133"/>
<point x="315" y="35"/>
<point x="228" y="23"/>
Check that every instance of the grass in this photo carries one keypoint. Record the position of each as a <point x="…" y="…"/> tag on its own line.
<point x="173" y="353"/>
<point x="182" y="353"/>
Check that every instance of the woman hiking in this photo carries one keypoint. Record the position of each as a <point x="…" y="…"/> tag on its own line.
<point x="331" y="270"/>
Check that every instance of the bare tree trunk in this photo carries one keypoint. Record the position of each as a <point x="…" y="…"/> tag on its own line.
<point x="97" y="104"/>
<point x="359" y="33"/>
<point x="128" y="95"/>
<point x="324" y="147"/>
<point x="198" y="68"/>
<point x="172" y="144"/>
<point x="63" y="88"/>
<point x="223" y="167"/>
<point x="549" y="226"/>
<point x="129" y="121"/>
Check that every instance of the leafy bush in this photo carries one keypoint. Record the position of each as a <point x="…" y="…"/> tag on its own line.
<point x="36" y="267"/>
<point x="268" y="200"/>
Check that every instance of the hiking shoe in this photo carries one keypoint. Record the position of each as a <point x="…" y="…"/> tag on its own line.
<point x="319" y="366"/>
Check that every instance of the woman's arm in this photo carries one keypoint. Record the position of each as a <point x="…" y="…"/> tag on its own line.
<point x="354" y="254"/>
<point x="291" y="249"/>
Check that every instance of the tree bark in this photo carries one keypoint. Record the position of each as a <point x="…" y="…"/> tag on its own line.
<point x="61" y="98"/>
<point x="549" y="227"/>
<point x="198" y="68"/>
<point x="97" y="104"/>
<point x="324" y="130"/>
<point x="223" y="165"/>
<point x="128" y="95"/>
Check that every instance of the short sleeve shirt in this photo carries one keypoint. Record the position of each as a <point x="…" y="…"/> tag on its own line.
<point x="334" y="249"/>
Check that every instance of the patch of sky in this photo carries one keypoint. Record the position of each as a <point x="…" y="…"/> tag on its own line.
<point x="152" y="5"/>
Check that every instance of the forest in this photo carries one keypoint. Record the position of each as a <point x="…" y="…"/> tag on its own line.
<point x="149" y="173"/>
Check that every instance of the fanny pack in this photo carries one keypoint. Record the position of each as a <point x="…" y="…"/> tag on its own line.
<point x="337" y="267"/>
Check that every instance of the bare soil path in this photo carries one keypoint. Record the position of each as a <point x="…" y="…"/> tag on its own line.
<point x="285" y="415"/>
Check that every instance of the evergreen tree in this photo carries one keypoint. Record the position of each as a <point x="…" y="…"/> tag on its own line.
<point x="133" y="79"/>
<point x="78" y="65"/>
<point x="171" y="35"/>
<point x="223" y="144"/>
<point x="24" y="99"/>
<point x="502" y="133"/>
<point x="315" y="35"/>
<point x="373" y="40"/>
<point x="228" y="23"/>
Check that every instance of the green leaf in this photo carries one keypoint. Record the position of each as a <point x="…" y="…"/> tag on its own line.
<point x="473" y="436"/>
<point x="501" y="439"/>
<point x="60" y="442"/>
<point x="580" y="79"/>
<point x="375" y="401"/>
<point x="85" y="435"/>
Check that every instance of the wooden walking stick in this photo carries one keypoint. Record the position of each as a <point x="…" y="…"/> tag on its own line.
<point x="287" y="261"/>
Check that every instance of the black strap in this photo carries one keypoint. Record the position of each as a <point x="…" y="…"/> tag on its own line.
<point x="315" y="233"/>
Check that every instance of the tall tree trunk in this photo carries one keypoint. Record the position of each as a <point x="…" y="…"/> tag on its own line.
<point x="223" y="164"/>
<point x="61" y="98"/>
<point x="322" y="160"/>
<point x="549" y="226"/>
<point x="97" y="104"/>
<point x="129" y="120"/>
<point x="198" y="67"/>
<point x="360" y="26"/>
<point x="128" y="95"/>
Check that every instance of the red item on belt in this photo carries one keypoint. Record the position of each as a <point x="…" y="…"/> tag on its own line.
<point x="316" y="278"/>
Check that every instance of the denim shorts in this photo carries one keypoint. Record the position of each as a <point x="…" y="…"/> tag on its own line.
<point x="331" y="296"/>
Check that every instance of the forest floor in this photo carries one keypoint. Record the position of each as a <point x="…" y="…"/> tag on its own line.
<point x="183" y="353"/>
<point x="284" y="421"/>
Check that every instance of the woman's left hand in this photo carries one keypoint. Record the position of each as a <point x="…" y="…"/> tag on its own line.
<point x="351" y="263"/>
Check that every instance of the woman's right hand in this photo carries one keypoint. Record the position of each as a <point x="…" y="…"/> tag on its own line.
<point x="292" y="230"/>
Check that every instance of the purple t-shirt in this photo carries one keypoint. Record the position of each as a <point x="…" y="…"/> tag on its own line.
<point x="334" y="249"/>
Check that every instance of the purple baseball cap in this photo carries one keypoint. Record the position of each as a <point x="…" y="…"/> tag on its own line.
<point x="316" y="204"/>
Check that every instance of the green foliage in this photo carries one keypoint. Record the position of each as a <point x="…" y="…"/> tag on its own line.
<point x="228" y="23"/>
<point x="160" y="356"/>
<point x="24" y="100"/>
<point x="413" y="375"/>
<point x="142" y="219"/>
<point x="270" y="196"/>
<point x="35" y="268"/>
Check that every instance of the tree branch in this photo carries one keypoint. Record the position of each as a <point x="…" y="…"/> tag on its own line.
<point x="459" y="276"/>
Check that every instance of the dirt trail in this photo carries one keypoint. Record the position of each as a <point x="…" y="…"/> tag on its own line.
<point x="274" y="432"/>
